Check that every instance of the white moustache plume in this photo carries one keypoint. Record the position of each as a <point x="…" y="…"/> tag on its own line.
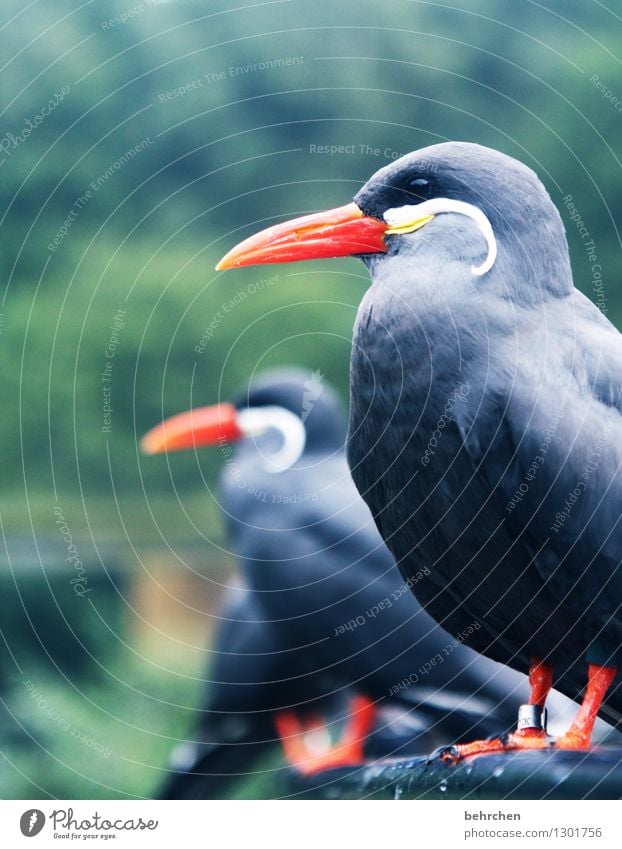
<point x="405" y="219"/>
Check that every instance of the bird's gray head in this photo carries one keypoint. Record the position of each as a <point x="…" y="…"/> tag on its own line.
<point x="451" y="211"/>
<point x="455" y="189"/>
<point x="308" y="396"/>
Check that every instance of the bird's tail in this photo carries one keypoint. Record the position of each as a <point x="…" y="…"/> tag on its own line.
<point x="201" y="770"/>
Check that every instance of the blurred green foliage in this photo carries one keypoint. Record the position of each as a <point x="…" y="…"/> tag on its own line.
<point x="175" y="133"/>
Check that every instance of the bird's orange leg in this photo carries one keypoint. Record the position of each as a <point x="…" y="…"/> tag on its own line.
<point x="540" y="681"/>
<point x="531" y="733"/>
<point x="599" y="680"/>
<point x="307" y="745"/>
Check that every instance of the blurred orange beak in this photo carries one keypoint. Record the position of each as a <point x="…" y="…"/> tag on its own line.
<point x="345" y="231"/>
<point x="203" y="426"/>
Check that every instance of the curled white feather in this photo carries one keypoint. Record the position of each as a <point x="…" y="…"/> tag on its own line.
<point x="255" y="421"/>
<point x="403" y="216"/>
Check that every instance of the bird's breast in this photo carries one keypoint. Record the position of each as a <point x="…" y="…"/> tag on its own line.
<point x="411" y="389"/>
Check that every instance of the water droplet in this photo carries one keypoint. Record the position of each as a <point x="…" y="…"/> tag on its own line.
<point x="443" y="786"/>
<point x="397" y="794"/>
<point x="498" y="772"/>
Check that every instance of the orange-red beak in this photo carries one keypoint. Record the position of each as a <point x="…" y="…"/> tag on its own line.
<point x="344" y="231"/>
<point x="203" y="426"/>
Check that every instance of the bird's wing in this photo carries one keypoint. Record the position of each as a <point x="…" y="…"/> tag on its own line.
<point x="546" y="432"/>
<point x="323" y="531"/>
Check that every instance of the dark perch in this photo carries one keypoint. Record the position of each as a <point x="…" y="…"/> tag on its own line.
<point x="550" y="774"/>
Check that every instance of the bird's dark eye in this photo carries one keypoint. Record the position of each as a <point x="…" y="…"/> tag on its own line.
<point x="420" y="188"/>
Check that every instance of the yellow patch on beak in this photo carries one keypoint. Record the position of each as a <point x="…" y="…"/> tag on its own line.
<point x="409" y="227"/>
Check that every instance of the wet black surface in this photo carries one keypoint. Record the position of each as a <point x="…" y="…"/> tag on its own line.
<point x="547" y="774"/>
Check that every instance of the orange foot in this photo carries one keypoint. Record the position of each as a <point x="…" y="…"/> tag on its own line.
<point x="531" y="732"/>
<point x="600" y="679"/>
<point x="308" y="747"/>
<point x="526" y="738"/>
<point x="529" y="738"/>
<point x="570" y="741"/>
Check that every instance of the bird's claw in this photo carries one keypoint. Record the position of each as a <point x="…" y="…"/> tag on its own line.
<point x="574" y="742"/>
<point x="456" y="753"/>
<point x="443" y="753"/>
<point x="526" y="738"/>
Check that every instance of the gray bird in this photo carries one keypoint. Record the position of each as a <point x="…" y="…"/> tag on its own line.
<point x="485" y="427"/>
<point x="324" y="625"/>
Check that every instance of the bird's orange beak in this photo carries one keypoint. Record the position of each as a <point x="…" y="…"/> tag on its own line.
<point x="344" y="231"/>
<point x="203" y="426"/>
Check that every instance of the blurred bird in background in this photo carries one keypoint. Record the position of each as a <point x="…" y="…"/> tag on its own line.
<point x="323" y="639"/>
